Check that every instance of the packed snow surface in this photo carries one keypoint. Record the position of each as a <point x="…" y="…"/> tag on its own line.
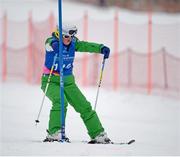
<point x="152" y="121"/>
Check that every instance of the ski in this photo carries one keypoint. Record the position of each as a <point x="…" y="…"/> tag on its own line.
<point x="53" y="140"/>
<point x="123" y="143"/>
<point x="114" y="143"/>
<point x="91" y="142"/>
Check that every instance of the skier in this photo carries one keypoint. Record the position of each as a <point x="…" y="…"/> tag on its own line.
<point x="72" y="93"/>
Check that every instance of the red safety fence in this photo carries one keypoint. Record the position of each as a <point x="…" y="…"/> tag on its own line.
<point x="23" y="55"/>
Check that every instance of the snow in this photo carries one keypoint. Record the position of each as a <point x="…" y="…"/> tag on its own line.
<point x="153" y="121"/>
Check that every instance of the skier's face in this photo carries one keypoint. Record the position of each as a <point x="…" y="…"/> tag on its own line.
<point x="67" y="40"/>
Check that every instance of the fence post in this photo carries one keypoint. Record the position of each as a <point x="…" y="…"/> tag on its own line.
<point x="129" y="68"/>
<point x="30" y="48"/>
<point x="4" y="48"/>
<point x="51" y="22"/>
<point x="94" y="71"/>
<point x="115" y="56"/>
<point x="149" y="54"/>
<point x="85" y="58"/>
<point x="165" y="68"/>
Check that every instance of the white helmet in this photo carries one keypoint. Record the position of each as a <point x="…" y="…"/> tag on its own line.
<point x="68" y="29"/>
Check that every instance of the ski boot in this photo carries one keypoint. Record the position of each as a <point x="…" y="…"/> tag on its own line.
<point x="100" y="139"/>
<point x="55" y="137"/>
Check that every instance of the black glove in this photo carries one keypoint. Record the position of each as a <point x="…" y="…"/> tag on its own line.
<point x="106" y="51"/>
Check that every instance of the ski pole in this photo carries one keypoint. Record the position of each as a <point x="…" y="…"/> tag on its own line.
<point x="47" y="85"/>
<point x="99" y="84"/>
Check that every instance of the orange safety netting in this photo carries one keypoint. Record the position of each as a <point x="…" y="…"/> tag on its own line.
<point x="22" y="50"/>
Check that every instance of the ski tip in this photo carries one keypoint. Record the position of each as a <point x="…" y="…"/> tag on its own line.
<point x="131" y="141"/>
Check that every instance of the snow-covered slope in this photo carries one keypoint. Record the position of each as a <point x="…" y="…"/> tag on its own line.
<point x="153" y="121"/>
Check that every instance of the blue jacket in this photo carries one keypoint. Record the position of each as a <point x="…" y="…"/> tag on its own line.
<point x="52" y="48"/>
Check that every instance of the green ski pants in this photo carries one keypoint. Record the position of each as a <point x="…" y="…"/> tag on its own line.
<point x="74" y="97"/>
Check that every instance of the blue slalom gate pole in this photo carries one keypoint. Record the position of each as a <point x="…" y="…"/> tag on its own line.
<point x="62" y="118"/>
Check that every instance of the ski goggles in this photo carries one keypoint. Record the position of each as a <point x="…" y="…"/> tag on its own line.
<point x="72" y="32"/>
<point x="66" y="36"/>
<point x="69" y="33"/>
